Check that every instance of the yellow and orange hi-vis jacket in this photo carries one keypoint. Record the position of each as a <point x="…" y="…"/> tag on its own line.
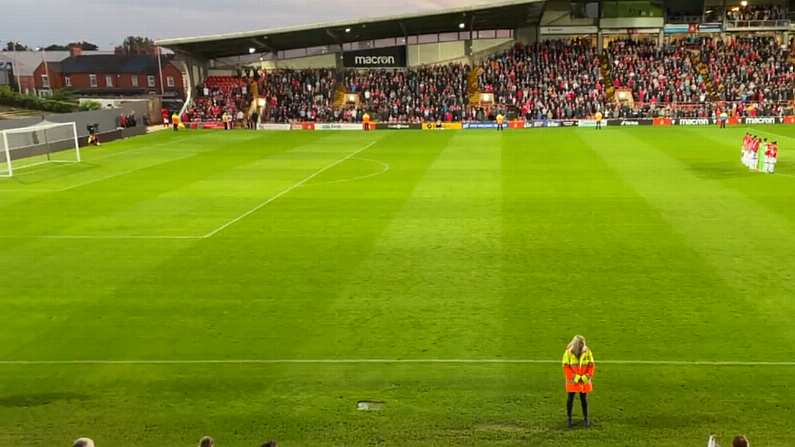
<point x="579" y="371"/>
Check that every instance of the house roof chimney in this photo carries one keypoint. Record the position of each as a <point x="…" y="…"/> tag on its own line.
<point x="75" y="51"/>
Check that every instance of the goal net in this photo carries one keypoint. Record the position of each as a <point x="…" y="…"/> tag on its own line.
<point x="45" y="142"/>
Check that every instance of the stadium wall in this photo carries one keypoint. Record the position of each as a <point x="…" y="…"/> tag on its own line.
<point x="626" y="23"/>
<point x="301" y="63"/>
<point x="107" y="120"/>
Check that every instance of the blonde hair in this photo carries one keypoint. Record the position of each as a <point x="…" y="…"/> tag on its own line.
<point x="577" y="345"/>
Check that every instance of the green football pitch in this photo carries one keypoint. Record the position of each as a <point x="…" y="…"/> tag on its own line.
<point x="256" y="286"/>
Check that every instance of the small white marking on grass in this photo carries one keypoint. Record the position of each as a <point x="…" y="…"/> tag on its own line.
<point x="285" y="191"/>
<point x="389" y="361"/>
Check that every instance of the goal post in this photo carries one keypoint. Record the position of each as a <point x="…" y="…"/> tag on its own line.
<point x="45" y="142"/>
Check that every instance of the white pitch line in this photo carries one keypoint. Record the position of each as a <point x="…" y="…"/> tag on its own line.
<point x="390" y="361"/>
<point x="285" y="191"/>
<point x="42" y="163"/>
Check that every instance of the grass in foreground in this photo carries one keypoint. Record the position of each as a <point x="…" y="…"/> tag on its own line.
<point x="655" y="243"/>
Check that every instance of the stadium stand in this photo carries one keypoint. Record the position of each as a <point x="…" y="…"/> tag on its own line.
<point x="689" y="75"/>
<point x="219" y="94"/>
<point x="557" y="79"/>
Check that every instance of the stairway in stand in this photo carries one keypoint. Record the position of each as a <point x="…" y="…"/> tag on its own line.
<point x="604" y="67"/>
<point x="473" y="87"/>
<point x="703" y="70"/>
<point x="341" y="92"/>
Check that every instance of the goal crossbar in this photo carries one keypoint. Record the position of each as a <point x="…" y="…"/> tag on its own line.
<point x="42" y="139"/>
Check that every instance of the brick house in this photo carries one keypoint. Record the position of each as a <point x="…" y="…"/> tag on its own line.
<point x="111" y="75"/>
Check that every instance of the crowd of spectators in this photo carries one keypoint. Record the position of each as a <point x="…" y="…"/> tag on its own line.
<point x="656" y="74"/>
<point x="415" y="95"/>
<point x="551" y="79"/>
<point x="750" y="69"/>
<point x="298" y="95"/>
<point x="757" y="13"/>
<point x="554" y="79"/>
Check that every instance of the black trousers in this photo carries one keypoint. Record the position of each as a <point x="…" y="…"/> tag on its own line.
<point x="583" y="401"/>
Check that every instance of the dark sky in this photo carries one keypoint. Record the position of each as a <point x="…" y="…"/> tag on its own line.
<point x="106" y="22"/>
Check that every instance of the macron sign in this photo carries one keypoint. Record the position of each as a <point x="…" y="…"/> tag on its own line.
<point x="390" y="57"/>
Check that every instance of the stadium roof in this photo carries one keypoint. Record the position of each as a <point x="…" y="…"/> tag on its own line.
<point x="497" y="15"/>
<point x="111" y="63"/>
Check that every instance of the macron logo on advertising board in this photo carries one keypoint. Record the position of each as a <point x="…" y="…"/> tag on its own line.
<point x="390" y="57"/>
<point x="379" y="61"/>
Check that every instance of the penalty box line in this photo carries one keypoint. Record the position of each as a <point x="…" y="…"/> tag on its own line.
<point x="216" y="230"/>
<point x="390" y="361"/>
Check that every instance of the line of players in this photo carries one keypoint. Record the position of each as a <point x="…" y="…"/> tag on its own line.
<point x="752" y="145"/>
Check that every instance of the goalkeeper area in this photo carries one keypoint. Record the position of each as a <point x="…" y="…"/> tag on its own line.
<point x="397" y="288"/>
<point x="36" y="145"/>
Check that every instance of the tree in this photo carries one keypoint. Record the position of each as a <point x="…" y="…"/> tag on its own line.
<point x="136" y="45"/>
<point x="85" y="46"/>
<point x="16" y="46"/>
<point x="56" y="47"/>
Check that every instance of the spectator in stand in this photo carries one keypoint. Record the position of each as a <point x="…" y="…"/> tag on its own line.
<point x="241" y="117"/>
<point x="253" y="120"/>
<point x="83" y="442"/>
<point x="206" y="441"/>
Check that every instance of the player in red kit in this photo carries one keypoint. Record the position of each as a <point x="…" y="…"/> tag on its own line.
<point x="771" y="157"/>
<point x="753" y="163"/>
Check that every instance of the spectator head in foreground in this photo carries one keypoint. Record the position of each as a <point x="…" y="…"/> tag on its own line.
<point x="741" y="441"/>
<point x="271" y="444"/>
<point x="83" y="442"/>
<point x="206" y="442"/>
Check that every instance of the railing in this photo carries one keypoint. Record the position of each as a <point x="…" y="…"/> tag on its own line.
<point x="750" y="24"/>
